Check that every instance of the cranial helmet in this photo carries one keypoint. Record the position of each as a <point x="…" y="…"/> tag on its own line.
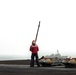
<point x="33" y="42"/>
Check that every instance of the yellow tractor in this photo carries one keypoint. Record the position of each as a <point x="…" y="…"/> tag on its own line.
<point x="45" y="62"/>
<point x="70" y="62"/>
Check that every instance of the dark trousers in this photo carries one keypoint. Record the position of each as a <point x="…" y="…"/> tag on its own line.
<point x="32" y="60"/>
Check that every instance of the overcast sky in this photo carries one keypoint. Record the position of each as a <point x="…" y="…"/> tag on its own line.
<point x="19" y="21"/>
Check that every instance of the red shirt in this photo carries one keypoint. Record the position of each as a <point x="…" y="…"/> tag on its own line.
<point x="34" y="49"/>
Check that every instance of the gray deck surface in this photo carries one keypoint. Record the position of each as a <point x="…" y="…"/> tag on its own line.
<point x="27" y="70"/>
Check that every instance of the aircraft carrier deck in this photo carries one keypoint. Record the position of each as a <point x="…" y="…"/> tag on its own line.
<point x="6" y="69"/>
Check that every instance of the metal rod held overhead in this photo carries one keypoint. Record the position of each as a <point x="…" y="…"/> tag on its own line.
<point x="37" y="32"/>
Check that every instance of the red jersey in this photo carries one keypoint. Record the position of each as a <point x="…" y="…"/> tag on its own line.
<point x="34" y="49"/>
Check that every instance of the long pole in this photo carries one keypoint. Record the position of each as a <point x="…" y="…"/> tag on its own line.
<point x="37" y="32"/>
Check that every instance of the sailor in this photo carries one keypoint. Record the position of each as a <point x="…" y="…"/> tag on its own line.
<point x="34" y="53"/>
